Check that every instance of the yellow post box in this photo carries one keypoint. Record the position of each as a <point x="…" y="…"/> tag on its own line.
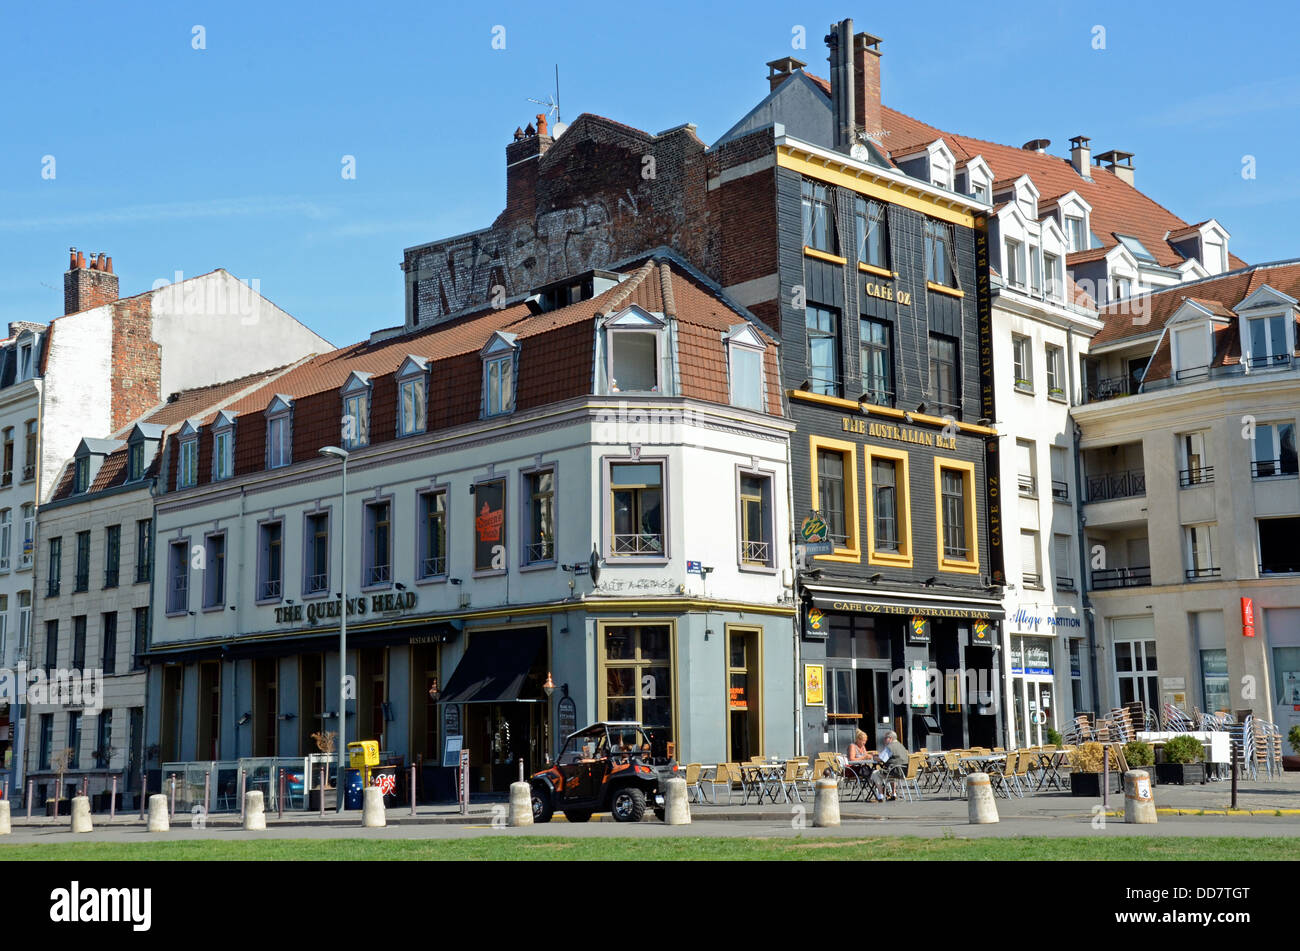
<point x="362" y="755"/>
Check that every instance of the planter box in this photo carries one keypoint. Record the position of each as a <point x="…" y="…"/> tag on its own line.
<point x="1291" y="764"/>
<point x="1089" y="784"/>
<point x="1180" y="774"/>
<point x="313" y="800"/>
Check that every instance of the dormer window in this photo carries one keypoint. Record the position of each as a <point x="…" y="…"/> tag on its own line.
<point x="978" y="179"/>
<point x="412" y="396"/>
<point x="81" y="480"/>
<point x="1136" y="248"/>
<point x="1015" y="262"/>
<point x="25" y="361"/>
<point x="223" y="446"/>
<point x="500" y="362"/>
<point x="745" y="363"/>
<point x="1052" y="276"/>
<point x="635" y="344"/>
<point x="1192" y="351"/>
<point x="356" y="410"/>
<point x="1269" y="346"/>
<point x="135" y="462"/>
<point x="187" y="472"/>
<point x="279" y="433"/>
<point x="1075" y="233"/>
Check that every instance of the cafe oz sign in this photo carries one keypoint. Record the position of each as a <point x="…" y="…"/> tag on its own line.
<point x="815" y="534"/>
<point x="318" y="612"/>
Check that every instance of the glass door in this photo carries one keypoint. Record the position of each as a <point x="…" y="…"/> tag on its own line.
<point x="1138" y="675"/>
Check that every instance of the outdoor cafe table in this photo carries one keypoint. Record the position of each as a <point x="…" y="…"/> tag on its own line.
<point x="858" y="773"/>
<point x="761" y="779"/>
<point x="1050" y="763"/>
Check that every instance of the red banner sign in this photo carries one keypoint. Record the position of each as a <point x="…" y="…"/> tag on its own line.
<point x="1247" y="617"/>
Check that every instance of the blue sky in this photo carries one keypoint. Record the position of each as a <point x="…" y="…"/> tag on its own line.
<point x="175" y="159"/>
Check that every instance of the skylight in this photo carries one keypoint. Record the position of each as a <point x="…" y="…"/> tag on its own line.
<point x="1136" y="247"/>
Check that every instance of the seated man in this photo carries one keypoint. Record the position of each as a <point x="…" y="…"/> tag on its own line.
<point x="893" y="760"/>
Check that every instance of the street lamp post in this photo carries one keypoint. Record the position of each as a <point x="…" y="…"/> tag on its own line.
<point x="342" y="456"/>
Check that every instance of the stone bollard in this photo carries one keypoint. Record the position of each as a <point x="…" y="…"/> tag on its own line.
<point x="373" y="813"/>
<point x="158" y="820"/>
<point x="5" y="827"/>
<point x="81" y="814"/>
<point x="521" y="804"/>
<point x="1139" y="804"/>
<point x="826" y="803"/>
<point x="677" y="810"/>
<point x="979" y="798"/>
<point x="254" y="811"/>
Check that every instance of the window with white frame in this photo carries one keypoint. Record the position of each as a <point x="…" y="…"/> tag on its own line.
<point x="178" y="576"/>
<point x="6" y="537"/>
<point x="270" y="561"/>
<point x="1191" y="351"/>
<point x="433" y="534"/>
<point x="356" y="411"/>
<point x="1023" y="360"/>
<point x="1026" y="468"/>
<point x="1074" y="230"/>
<point x="539" y="517"/>
<point x="188" y="472"/>
<point x="1273" y="451"/>
<point x="1062" y="549"/>
<point x="745" y="363"/>
<point x="377" y="555"/>
<point x="1055" y="357"/>
<point x="1035" y="270"/>
<point x="4" y="629"/>
<point x="223" y="447"/>
<point x="412" y="396"/>
<point x="756" y="531"/>
<point x="1121" y="288"/>
<point x="635" y="344"/>
<point x="24" y="625"/>
<point x="279" y="433"/>
<point x="1031" y="567"/>
<point x="29" y="450"/>
<point x="636" y="498"/>
<point x="1269" y="343"/>
<point x="1015" y="262"/>
<point x="1196" y="469"/>
<point x="1200" y="551"/>
<point x="1052" y="285"/>
<point x="25" y="351"/>
<point x="29" y="535"/>
<point x="499" y="364"/>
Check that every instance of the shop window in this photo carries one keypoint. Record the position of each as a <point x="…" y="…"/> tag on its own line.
<point x="1137" y="672"/>
<point x="889" y="517"/>
<point x="756" y="529"/>
<point x="214" y="571"/>
<point x="636" y="493"/>
<point x="270" y="561"/>
<point x="1214" y="680"/>
<point x="377" y="556"/>
<point x="744" y="703"/>
<point x="316" y="561"/>
<point x="433" y="534"/>
<point x="954" y="488"/>
<point x="835" y="494"/>
<point x="636" y="675"/>
<point x="539" y="500"/>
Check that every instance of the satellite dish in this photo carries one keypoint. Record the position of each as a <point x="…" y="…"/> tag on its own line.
<point x="558" y="129"/>
<point x="859" y="152"/>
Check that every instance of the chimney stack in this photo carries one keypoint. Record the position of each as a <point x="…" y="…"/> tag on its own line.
<point x="843" y="110"/>
<point x="1121" y="163"/>
<point x="779" y="70"/>
<point x="86" y="286"/>
<point x="866" y="67"/>
<point x="522" y="157"/>
<point x="1081" y="156"/>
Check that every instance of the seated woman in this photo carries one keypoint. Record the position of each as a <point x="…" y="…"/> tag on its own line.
<point x="858" y="748"/>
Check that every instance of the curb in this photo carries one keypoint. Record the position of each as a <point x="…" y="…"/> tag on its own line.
<point x="1236" y="813"/>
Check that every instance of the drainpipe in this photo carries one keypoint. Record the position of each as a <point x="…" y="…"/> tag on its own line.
<point x="1088" y="615"/>
<point x="239" y="590"/>
<point x="794" y="595"/>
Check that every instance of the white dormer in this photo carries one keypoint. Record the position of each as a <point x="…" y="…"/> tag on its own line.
<point x="356" y="410"/>
<point x="500" y="357"/>
<point x="745" y="348"/>
<point x="637" y="353"/>
<point x="1074" y="215"/>
<point x="412" y="396"/>
<point x="976" y="179"/>
<point x="943" y="165"/>
<point x="1191" y="340"/>
<point x="1026" y="196"/>
<point x="26" y="350"/>
<point x="1206" y="243"/>
<point x="1268" y="329"/>
<point x="279" y="431"/>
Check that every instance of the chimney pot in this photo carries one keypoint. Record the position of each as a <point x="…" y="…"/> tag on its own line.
<point x="541" y="123"/>
<point x="779" y="70"/>
<point x="1081" y="156"/>
<point x="519" y="133"/>
<point x="72" y="258"/>
<point x="108" y="265"/>
<point x="529" y="130"/>
<point x="81" y="259"/>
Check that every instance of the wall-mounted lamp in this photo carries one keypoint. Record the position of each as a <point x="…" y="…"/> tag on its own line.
<point x="456" y="580"/>
<point x="707" y="632"/>
<point x="433" y="690"/>
<point x="399" y="586"/>
<point x="549" y="686"/>
<point x="875" y="577"/>
<point x="564" y="630"/>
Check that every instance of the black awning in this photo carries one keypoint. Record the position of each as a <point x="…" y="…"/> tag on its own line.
<point x="494" y="667"/>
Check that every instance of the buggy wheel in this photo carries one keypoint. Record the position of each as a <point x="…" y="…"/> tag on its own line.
<point x="543" y="807"/>
<point x="577" y="815"/>
<point x="628" y="804"/>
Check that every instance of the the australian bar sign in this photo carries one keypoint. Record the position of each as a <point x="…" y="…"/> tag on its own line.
<point x="897" y="433"/>
<point x="317" y="612"/>
<point x="919" y="610"/>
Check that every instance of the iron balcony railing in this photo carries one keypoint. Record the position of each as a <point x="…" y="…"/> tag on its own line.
<point x="755" y="553"/>
<point x="1270" y="360"/>
<point x="268" y="590"/>
<point x="1064" y="584"/>
<point x="29" y="473"/>
<point x="143" y="571"/>
<point x="82" y="581"/>
<point x="317" y="583"/>
<point x="1060" y="490"/>
<point x="639" y="543"/>
<point x="1193" y="573"/>
<point x="1134" y="577"/>
<point x="1028" y="485"/>
<point x="433" y="566"/>
<point x="52" y="588"/>
<point x="1192" y="373"/>
<point x="876" y="396"/>
<point x="1197" y="475"/>
<point x="1117" y="485"/>
<point x="1266" y="468"/>
<point x="1031" y="580"/>
<point x="110" y="577"/>
<point x="539" y="551"/>
<point x="1107" y="388"/>
<point x="378" y="574"/>
<point x="1279" y="567"/>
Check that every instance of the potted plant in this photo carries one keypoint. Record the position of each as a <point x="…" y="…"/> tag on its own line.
<point x="1182" y="761"/>
<point x="1292" y="763"/>
<point x="1086" y="770"/>
<point x="1054" y="737"/>
<point x="1141" y="755"/>
<point x="325" y="744"/>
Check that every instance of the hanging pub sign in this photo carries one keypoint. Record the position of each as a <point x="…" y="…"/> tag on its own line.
<point x="490" y="525"/>
<point x="981" y="633"/>
<point x="815" y="535"/>
<point x="918" y="629"/>
<point x="816" y="626"/>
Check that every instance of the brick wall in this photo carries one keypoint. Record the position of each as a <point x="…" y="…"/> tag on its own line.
<point x="136" y="366"/>
<point x="84" y="288"/>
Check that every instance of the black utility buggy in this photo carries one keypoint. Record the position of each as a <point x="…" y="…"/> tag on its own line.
<point x="613" y="767"/>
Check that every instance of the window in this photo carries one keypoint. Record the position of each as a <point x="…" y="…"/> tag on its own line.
<point x="539" y="498"/>
<point x="938" y="254"/>
<point x="29" y="450"/>
<point x="744" y="694"/>
<point x="490" y="526"/>
<point x="29" y="535"/>
<point x="377" y="563"/>
<point x="888" y="507"/>
<point x="823" y="350"/>
<point x="6" y="537"/>
<point x="1061" y="549"/>
<point x="25" y="362"/>
<point x="1277" y="549"/>
<point x="5" y="660"/>
<point x="1136" y="669"/>
<point x="81" y="469"/>
<point x="7" y="476"/>
<point x="1035" y="270"/>
<point x="756" y="531"/>
<point x="1191" y="351"/>
<point x="1022" y="358"/>
<point x="499" y="364"/>
<point x="954" y="484"/>
<point x="82" y="579"/>
<point x="188" y="474"/>
<point x="944" y="372"/>
<point x="79" y="642"/>
<point x="1195" y="470"/>
<point x="1200" y="552"/>
<point x="1274" y="451"/>
<point x="1075" y="233"/>
<point x="74" y="741"/>
<point x="1121" y="288"/>
<point x="1268" y="342"/>
<point x="981" y="192"/>
<point x="1015" y="263"/>
<point x="178" y="577"/>
<point x="214" y="571"/>
<point x="1026" y="469"/>
<point x="103" y="739"/>
<point x="112" y="554"/>
<point x="143" y="550"/>
<point x="633" y="362"/>
<point x="47" y="741"/>
<point x="636" y="504"/>
<point x="223" y="454"/>
<point x="24" y="624"/>
<point x="55" y="567"/>
<point x="835" y="495"/>
<point x="872" y="237"/>
<point x="636" y="677"/>
<point x="818" y="218"/>
<point x="51" y="646"/>
<point x="1052" y="276"/>
<point x="135" y="461"/>
<point x="356" y="411"/>
<point x="745" y="361"/>
<point x="433" y="534"/>
<point x="1031" y="566"/>
<point x="1060" y="470"/>
<point x="109" y="638"/>
<point x="413" y="398"/>
<point x="876" y="348"/>
<point x="140" y="638"/>
<point x="270" y="561"/>
<point x="279" y="435"/>
<point x="1136" y="248"/>
<point x="316" y="578"/>
<point x="1055" y="372"/>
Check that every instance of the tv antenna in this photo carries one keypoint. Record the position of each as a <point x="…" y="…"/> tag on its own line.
<point x="552" y="103"/>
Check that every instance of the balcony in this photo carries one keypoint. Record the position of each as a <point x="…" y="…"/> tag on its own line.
<point x="642" y="543"/>
<point x="1125" y="484"/>
<point x="269" y="590"/>
<point x="1270" y="468"/>
<point x="539" y="552"/>
<point x="1108" y="578"/>
<point x="1031" y="580"/>
<point x="1200" y="475"/>
<point x="755" y="552"/>
<point x="377" y="575"/>
<point x="1064" y="584"/>
<point x="317" y="583"/>
<point x="1106" y="388"/>
<point x="1271" y="361"/>
<point x="433" y="566"/>
<point x="1196" y="574"/>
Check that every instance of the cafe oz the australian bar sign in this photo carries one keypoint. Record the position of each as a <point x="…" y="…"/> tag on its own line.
<point x="815" y="535"/>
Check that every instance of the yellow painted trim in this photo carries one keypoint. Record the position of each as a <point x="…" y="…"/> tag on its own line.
<point x="755" y="678"/>
<point x="824" y="255"/>
<point x="903" y="559"/>
<point x="944" y="289"/>
<point x="972" y="565"/>
<point x="872" y="269"/>
<point x="881" y="189"/>
<point x="807" y="396"/>
<point x="852" y="552"/>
